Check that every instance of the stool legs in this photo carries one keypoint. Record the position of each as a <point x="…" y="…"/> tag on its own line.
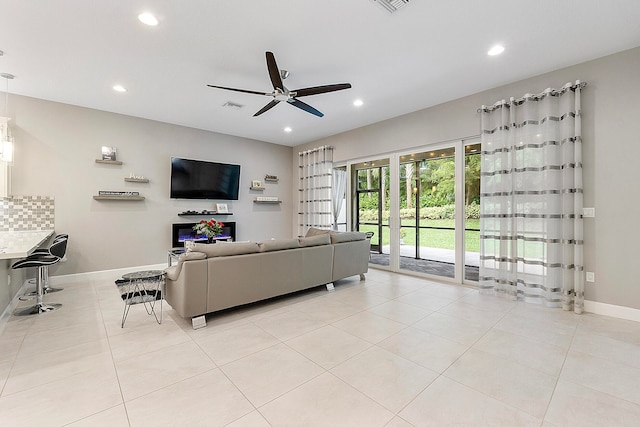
<point x="46" y="289"/>
<point x="40" y="306"/>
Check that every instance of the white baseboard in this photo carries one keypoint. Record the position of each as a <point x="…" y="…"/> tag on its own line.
<point x="8" y="311"/>
<point x="617" y="311"/>
<point x="102" y="274"/>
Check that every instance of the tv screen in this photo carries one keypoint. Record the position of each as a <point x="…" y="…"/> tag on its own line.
<point x="197" y="179"/>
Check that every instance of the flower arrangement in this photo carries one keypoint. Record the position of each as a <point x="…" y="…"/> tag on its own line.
<point x="210" y="228"/>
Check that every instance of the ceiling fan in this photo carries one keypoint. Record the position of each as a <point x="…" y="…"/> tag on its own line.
<point x="281" y="93"/>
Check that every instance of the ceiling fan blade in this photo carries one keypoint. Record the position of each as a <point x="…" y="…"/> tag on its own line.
<point x="240" y="90"/>
<point x="306" y="107"/>
<point x="274" y="72"/>
<point x="267" y="107"/>
<point x="321" y="89"/>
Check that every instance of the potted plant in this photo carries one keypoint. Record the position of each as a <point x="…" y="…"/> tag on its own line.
<point x="210" y="228"/>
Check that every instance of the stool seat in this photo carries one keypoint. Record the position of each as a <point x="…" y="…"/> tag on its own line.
<point x="36" y="261"/>
<point x="41" y="262"/>
<point x="58" y="249"/>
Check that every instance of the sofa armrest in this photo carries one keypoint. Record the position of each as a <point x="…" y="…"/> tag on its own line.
<point x="187" y="293"/>
<point x="174" y="272"/>
<point x="350" y="258"/>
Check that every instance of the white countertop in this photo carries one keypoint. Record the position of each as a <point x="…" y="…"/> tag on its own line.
<point x="19" y="244"/>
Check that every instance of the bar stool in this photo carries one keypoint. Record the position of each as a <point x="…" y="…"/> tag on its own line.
<point x="58" y="249"/>
<point x="42" y="262"/>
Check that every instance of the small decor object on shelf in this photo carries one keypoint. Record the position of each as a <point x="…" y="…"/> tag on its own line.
<point x="118" y="193"/>
<point x="271" y="177"/>
<point x="256" y="184"/>
<point x="222" y="208"/>
<point x="210" y="228"/>
<point x="109" y="153"/>
<point x="135" y="178"/>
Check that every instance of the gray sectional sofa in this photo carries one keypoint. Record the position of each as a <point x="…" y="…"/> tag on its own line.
<point x="214" y="277"/>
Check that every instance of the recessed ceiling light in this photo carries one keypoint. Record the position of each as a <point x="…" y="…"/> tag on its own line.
<point x="148" y="19"/>
<point x="358" y="102"/>
<point x="119" y="88"/>
<point x="288" y="129"/>
<point x="496" y="50"/>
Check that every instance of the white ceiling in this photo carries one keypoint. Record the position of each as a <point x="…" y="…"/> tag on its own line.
<point x="429" y="52"/>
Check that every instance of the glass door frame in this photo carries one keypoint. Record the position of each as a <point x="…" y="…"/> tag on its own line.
<point x="458" y="240"/>
<point x="352" y="204"/>
<point x="394" y="204"/>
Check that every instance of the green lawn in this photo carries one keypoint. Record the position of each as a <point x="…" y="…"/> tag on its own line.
<point x="443" y="239"/>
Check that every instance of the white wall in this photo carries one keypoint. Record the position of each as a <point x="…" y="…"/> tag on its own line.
<point x="611" y="141"/>
<point x="55" y="151"/>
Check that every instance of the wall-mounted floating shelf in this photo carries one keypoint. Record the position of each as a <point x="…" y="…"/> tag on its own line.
<point x="202" y="213"/>
<point x="267" y="201"/>
<point x="256" y="188"/>
<point x="122" y="198"/>
<point x="142" y="180"/>
<point x="109" y="162"/>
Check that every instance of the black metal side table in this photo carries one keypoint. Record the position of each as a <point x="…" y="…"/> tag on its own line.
<point x="142" y="287"/>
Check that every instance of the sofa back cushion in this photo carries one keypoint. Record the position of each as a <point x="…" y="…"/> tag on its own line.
<point x="320" y="239"/>
<point x="346" y="236"/>
<point x="278" y="245"/>
<point x="226" y="249"/>
<point x="312" y="231"/>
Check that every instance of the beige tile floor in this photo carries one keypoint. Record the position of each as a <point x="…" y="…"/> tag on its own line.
<point x="393" y="350"/>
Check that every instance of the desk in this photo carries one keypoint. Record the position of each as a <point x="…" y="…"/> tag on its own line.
<point x="142" y="287"/>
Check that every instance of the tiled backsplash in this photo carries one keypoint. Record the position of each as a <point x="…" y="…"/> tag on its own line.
<point x="21" y="213"/>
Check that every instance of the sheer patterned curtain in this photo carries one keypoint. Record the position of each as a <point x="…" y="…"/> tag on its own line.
<point x="339" y="180"/>
<point x="315" y="189"/>
<point x="531" y="227"/>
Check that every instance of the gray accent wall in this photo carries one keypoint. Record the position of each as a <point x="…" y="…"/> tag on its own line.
<point x="611" y="143"/>
<point x="55" y="151"/>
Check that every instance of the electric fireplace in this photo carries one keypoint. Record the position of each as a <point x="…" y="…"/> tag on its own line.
<point x="183" y="231"/>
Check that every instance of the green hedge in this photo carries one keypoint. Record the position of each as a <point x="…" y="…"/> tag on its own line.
<point x="472" y="211"/>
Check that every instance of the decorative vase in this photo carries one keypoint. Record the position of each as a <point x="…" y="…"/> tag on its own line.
<point x="212" y="239"/>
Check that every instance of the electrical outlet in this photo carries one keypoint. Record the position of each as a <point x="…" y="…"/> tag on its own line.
<point x="589" y="212"/>
<point x="590" y="276"/>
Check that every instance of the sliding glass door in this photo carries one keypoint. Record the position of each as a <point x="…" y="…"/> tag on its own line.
<point x="421" y="210"/>
<point x="372" y="206"/>
<point x="427" y="212"/>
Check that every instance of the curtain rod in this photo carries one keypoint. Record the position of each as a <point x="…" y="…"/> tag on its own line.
<point x="534" y="96"/>
<point x="313" y="150"/>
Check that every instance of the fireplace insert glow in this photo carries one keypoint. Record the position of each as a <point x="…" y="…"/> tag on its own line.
<point x="183" y="231"/>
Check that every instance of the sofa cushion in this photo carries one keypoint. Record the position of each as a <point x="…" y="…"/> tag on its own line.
<point x="312" y="231"/>
<point x="227" y="249"/>
<point x="346" y="236"/>
<point x="187" y="256"/>
<point x="320" y="239"/>
<point x="278" y="245"/>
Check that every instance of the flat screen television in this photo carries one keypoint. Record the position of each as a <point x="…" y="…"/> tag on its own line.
<point x="197" y="179"/>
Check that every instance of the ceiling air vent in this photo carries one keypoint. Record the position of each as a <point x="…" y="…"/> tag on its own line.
<point x="391" y="5"/>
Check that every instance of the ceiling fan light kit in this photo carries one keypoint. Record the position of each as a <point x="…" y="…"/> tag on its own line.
<point x="282" y="93"/>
